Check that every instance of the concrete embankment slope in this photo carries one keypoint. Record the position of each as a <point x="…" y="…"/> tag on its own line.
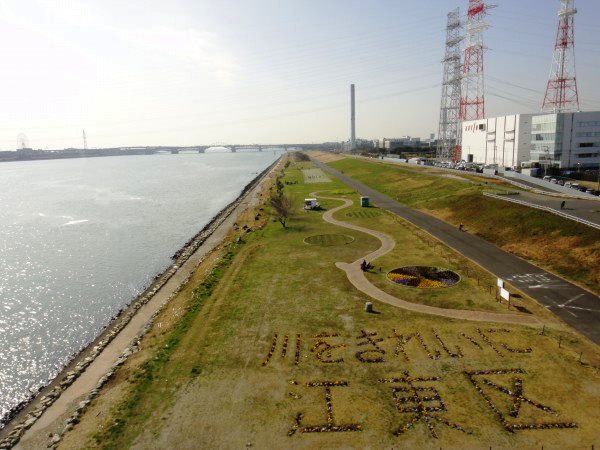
<point x="574" y="305"/>
<point x="53" y="418"/>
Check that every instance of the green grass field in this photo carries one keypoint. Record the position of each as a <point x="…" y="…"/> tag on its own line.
<point x="565" y="247"/>
<point x="328" y="240"/>
<point x="274" y="350"/>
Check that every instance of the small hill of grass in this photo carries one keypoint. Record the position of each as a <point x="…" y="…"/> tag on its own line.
<point x="562" y="246"/>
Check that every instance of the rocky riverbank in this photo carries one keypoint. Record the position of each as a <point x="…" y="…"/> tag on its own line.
<point x="26" y="415"/>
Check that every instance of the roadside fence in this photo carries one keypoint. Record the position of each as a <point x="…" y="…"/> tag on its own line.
<point x="544" y="208"/>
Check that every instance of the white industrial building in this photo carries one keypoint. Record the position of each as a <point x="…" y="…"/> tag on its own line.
<point x="404" y="141"/>
<point x="504" y="140"/>
<point x="564" y="140"/>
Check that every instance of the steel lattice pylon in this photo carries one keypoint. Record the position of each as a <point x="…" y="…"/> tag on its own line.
<point x="472" y="104"/>
<point x="561" y="91"/>
<point x="449" y="127"/>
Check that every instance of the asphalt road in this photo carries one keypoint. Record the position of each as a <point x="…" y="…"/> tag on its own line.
<point x="574" y="305"/>
<point x="535" y="185"/>
<point x="584" y="209"/>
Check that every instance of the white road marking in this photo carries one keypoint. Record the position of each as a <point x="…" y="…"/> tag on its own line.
<point x="571" y="300"/>
<point x="582" y="309"/>
<point x="555" y="285"/>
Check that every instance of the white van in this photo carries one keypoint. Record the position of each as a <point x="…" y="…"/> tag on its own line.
<point x="310" y="204"/>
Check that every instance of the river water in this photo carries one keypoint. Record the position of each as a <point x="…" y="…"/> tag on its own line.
<point x="80" y="238"/>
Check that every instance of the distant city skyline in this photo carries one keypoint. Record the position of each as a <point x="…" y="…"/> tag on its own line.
<point x="197" y="72"/>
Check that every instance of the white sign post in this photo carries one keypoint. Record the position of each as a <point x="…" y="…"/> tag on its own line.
<point x="500" y="285"/>
<point x="505" y="295"/>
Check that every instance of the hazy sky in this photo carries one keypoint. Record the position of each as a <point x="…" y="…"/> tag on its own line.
<point x="187" y="72"/>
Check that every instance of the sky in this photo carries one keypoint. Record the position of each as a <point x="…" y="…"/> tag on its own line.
<point x="204" y="72"/>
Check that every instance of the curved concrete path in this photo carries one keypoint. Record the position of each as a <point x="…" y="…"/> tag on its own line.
<point x="357" y="277"/>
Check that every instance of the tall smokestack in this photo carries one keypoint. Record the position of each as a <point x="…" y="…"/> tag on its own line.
<point x="352" y="120"/>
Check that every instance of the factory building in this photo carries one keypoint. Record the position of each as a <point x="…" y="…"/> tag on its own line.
<point x="405" y="141"/>
<point x="503" y="140"/>
<point x="563" y="140"/>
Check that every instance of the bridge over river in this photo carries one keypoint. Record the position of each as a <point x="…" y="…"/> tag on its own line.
<point x="233" y="148"/>
<point x="28" y="154"/>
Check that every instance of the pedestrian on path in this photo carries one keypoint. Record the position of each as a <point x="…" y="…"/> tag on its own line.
<point x="562" y="204"/>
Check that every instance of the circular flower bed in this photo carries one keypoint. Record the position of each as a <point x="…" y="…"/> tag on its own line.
<point x="424" y="277"/>
<point x="328" y="240"/>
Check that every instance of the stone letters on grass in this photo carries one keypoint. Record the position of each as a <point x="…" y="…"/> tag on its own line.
<point x="416" y="399"/>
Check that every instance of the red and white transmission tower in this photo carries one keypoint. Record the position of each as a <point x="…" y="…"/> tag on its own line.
<point x="472" y="104"/>
<point x="561" y="91"/>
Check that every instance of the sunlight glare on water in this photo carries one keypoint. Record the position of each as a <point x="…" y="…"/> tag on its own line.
<point x="80" y="238"/>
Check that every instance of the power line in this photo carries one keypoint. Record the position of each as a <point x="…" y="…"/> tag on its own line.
<point x="264" y="118"/>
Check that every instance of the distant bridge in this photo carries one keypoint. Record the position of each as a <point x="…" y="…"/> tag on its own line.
<point x="233" y="148"/>
<point x="29" y="154"/>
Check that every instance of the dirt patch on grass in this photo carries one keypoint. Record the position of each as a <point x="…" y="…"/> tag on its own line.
<point x="325" y="156"/>
<point x="315" y="176"/>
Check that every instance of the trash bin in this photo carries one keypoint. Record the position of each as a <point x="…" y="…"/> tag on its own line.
<point x="364" y="202"/>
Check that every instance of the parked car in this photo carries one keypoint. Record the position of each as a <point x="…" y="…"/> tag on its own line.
<point x="568" y="184"/>
<point x="561" y="182"/>
<point x="554" y="180"/>
<point x="547" y="178"/>
<point x="575" y="185"/>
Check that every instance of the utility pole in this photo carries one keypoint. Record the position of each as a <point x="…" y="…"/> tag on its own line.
<point x="84" y="141"/>
<point x="472" y="102"/>
<point x="352" y="119"/>
<point x="561" y="90"/>
<point x="449" y="130"/>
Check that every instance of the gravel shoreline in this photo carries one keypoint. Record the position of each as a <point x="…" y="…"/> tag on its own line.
<point x="25" y="415"/>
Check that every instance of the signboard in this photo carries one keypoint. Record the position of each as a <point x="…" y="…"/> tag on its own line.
<point x="504" y="294"/>
<point x="500" y="283"/>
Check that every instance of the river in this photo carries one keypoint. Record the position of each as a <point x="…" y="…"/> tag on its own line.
<point x="80" y="238"/>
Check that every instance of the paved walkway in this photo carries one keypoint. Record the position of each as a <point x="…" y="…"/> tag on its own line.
<point x="357" y="277"/>
<point x="574" y="305"/>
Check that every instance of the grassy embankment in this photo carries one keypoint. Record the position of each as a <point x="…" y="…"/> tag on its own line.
<point x="200" y="382"/>
<point x="562" y="246"/>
